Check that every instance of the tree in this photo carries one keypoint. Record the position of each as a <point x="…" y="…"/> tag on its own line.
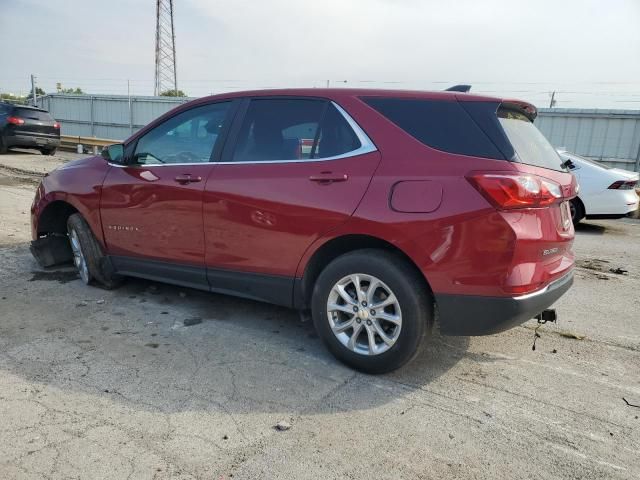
<point x="173" y="93"/>
<point x="39" y="93"/>
<point x="77" y="90"/>
<point x="10" y="97"/>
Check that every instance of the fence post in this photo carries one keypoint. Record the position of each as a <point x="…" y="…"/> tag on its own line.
<point x="130" y="108"/>
<point x="93" y="133"/>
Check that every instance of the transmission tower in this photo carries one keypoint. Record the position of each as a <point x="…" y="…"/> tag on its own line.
<point x="166" y="75"/>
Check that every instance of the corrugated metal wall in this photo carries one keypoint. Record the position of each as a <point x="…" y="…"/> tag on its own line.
<point x="612" y="136"/>
<point x="106" y="116"/>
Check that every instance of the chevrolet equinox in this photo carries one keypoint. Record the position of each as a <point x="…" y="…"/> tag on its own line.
<point x="378" y="212"/>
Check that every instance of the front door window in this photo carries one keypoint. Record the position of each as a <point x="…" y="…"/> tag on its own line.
<point x="189" y="137"/>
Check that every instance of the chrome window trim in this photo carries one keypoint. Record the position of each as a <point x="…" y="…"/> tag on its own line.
<point x="366" y="146"/>
<point x="134" y="165"/>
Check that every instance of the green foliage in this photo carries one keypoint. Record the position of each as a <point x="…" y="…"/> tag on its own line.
<point x="77" y="90"/>
<point x="11" y="98"/>
<point x="173" y="93"/>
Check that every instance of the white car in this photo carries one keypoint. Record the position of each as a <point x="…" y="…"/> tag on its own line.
<point x="604" y="192"/>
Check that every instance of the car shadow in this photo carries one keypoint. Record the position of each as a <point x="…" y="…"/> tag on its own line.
<point x="24" y="151"/>
<point x="154" y="346"/>
<point x="590" y="228"/>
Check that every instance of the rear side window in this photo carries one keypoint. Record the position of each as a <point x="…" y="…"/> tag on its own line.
<point x="33" y="114"/>
<point x="443" y="125"/>
<point x="292" y="129"/>
<point x="530" y="145"/>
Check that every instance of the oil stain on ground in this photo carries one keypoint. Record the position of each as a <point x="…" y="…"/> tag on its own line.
<point x="55" y="276"/>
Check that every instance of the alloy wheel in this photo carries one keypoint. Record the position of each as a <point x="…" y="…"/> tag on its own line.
<point x="78" y="257"/>
<point x="364" y="314"/>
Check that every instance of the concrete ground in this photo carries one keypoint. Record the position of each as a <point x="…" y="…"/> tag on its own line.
<point x="111" y="384"/>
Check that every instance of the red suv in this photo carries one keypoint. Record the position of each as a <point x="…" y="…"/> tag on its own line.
<point x="378" y="211"/>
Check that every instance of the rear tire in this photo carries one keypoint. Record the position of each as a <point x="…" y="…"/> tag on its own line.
<point x="3" y="146"/>
<point x="577" y="210"/>
<point x="404" y="315"/>
<point x="48" y="151"/>
<point x="92" y="264"/>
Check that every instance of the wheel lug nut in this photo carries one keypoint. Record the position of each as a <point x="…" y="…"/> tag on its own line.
<point x="355" y="308"/>
<point x="364" y="304"/>
<point x="368" y="322"/>
<point x="358" y="320"/>
<point x="373" y="312"/>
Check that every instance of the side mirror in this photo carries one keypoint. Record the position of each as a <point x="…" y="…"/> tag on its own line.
<point x="113" y="153"/>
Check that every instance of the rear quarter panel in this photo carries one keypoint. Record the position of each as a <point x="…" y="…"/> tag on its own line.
<point x="465" y="246"/>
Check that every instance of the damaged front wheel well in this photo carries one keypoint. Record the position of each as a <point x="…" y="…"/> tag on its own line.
<point x="54" y="218"/>
<point x="52" y="246"/>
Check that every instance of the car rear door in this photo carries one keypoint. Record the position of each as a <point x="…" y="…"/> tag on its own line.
<point x="151" y="209"/>
<point x="292" y="170"/>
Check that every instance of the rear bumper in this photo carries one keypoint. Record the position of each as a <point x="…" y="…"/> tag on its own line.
<point x="26" y="140"/>
<point x="477" y="315"/>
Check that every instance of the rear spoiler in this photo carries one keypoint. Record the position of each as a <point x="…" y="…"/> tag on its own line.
<point x="459" y="88"/>
<point x="525" y="108"/>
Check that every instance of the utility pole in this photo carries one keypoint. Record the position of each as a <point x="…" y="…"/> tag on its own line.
<point x="33" y="90"/>
<point x="552" y="103"/>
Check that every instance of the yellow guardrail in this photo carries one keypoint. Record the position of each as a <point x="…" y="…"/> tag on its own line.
<point x="71" y="142"/>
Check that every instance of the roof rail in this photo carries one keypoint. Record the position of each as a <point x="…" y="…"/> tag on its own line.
<point x="459" y="88"/>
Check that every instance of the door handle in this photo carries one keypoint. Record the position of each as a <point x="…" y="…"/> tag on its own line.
<point x="329" y="177"/>
<point x="187" y="178"/>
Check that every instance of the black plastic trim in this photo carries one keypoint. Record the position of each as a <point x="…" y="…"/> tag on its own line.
<point x="191" y="276"/>
<point x="476" y="315"/>
<point x="274" y="289"/>
<point x="256" y="286"/>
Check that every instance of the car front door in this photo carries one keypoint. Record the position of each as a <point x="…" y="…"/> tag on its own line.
<point x="151" y="208"/>
<point x="292" y="170"/>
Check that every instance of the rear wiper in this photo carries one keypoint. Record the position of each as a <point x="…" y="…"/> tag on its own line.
<point x="568" y="164"/>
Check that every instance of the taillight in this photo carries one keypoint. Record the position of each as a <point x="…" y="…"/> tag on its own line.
<point x="509" y="190"/>
<point x="623" y="185"/>
<point x="56" y="125"/>
<point x="15" y="120"/>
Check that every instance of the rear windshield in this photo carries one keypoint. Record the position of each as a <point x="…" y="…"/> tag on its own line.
<point x="33" y="114"/>
<point x="529" y="144"/>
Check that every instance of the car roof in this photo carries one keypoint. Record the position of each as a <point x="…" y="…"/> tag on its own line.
<point x="28" y="107"/>
<point x="31" y="107"/>
<point x="353" y="92"/>
<point x="337" y="94"/>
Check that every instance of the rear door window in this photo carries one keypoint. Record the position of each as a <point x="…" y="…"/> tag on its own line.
<point x="287" y="129"/>
<point x="440" y="124"/>
<point x="530" y="145"/>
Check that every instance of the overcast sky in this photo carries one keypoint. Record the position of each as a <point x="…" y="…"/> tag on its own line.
<point x="587" y="50"/>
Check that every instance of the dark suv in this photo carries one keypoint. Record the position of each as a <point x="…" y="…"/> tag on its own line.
<point x="28" y="127"/>
<point x="379" y="212"/>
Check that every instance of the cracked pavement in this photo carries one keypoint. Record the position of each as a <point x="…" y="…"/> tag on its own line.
<point x="110" y="384"/>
